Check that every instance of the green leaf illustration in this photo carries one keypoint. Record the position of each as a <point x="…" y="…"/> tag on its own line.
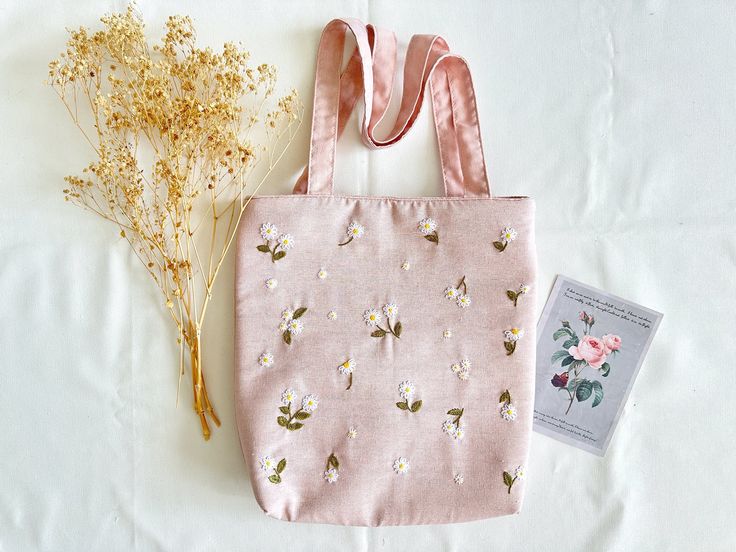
<point x="433" y="238"/>
<point x="302" y="415"/>
<point x="279" y="255"/>
<point x="562" y="332"/>
<point x="294" y="426"/>
<point x="397" y="329"/>
<point x="498" y="245"/>
<point x="378" y="333"/>
<point x="416" y="406"/>
<point x="510" y="347"/>
<point x="558" y="355"/>
<point x="567" y="361"/>
<point x="584" y="390"/>
<point x="507" y="479"/>
<point x="299" y="312"/>
<point x="598" y="392"/>
<point x="282" y="421"/>
<point x="569" y="343"/>
<point x="402" y="405"/>
<point x="332" y="461"/>
<point x="505" y="397"/>
<point x="455" y="412"/>
<point x="511" y="294"/>
<point x="282" y="465"/>
<point x="275" y="478"/>
<point x="263" y="249"/>
<point x="284" y="410"/>
<point x="605" y="369"/>
<point x="287" y="337"/>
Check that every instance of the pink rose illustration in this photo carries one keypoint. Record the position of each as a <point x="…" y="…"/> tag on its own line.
<point x="611" y="342"/>
<point x="591" y="350"/>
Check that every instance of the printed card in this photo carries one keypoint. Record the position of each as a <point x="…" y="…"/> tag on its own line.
<point x="590" y="346"/>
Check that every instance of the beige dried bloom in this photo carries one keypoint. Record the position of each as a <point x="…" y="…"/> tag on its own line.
<point x="183" y="138"/>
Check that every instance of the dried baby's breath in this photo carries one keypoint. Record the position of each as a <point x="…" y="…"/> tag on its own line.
<point x="183" y="138"/>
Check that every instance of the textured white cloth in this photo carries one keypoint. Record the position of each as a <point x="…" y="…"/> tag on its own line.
<point x="618" y="117"/>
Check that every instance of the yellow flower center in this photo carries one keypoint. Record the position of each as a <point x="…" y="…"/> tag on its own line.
<point x="515" y="331"/>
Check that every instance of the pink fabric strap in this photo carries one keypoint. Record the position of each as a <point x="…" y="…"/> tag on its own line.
<point x="371" y="70"/>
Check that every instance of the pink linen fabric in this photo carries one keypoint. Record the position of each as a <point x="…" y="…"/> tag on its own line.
<point x="448" y="479"/>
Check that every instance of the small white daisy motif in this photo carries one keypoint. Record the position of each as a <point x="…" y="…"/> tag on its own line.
<point x="332" y="315"/>
<point x="275" y="244"/>
<point x="454" y="427"/>
<point x="331" y="475"/>
<point x="428" y="228"/>
<point x="346" y="369"/>
<point x="401" y="465"/>
<point x="509" y="479"/>
<point x="267" y="464"/>
<point x="372" y="317"/>
<point x="322" y="274"/>
<point x="447" y="334"/>
<point x="508" y="234"/>
<point x="295" y="327"/>
<point x="286" y="241"/>
<point x="459" y="479"/>
<point x="310" y="403"/>
<point x="512" y="336"/>
<point x="406" y="389"/>
<point x="269" y="232"/>
<point x="271" y="283"/>
<point x="459" y="293"/>
<point x="405" y="265"/>
<point x="288" y="396"/>
<point x="508" y="412"/>
<point x="390" y="310"/>
<point x="352" y="433"/>
<point x="266" y="360"/>
<point x="355" y="231"/>
<point x="290" y="325"/>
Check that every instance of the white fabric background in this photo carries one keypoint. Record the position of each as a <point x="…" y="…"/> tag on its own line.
<point x="617" y="116"/>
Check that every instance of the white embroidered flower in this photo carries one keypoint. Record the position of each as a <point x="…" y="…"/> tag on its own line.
<point x="464" y="374"/>
<point x="524" y="288"/>
<point x="508" y="412"/>
<point x="372" y="317"/>
<point x="406" y="389"/>
<point x="459" y="479"/>
<point x="447" y="334"/>
<point x="268" y="464"/>
<point x="331" y="475"/>
<point x="451" y="293"/>
<point x="519" y="473"/>
<point x="405" y="265"/>
<point x="401" y="465"/>
<point x="322" y="274"/>
<point x="266" y="360"/>
<point x="310" y="403"/>
<point x="390" y="310"/>
<point x="459" y="432"/>
<point x="352" y="433"/>
<point x="355" y="230"/>
<point x="465" y="363"/>
<point x="514" y="334"/>
<point x="427" y="226"/>
<point x="455" y="367"/>
<point x="271" y="283"/>
<point x="288" y="396"/>
<point x="347" y="367"/>
<point x="332" y="315"/>
<point x="283" y="326"/>
<point x="287" y="314"/>
<point x="286" y="241"/>
<point x="269" y="232"/>
<point x="449" y="428"/>
<point x="508" y="234"/>
<point x="295" y="327"/>
<point x="464" y="301"/>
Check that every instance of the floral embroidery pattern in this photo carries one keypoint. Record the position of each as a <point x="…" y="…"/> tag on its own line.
<point x="428" y="228"/>
<point x="331" y="469"/>
<point x="405" y="265"/>
<point x="401" y="465"/>
<point x="276" y="244"/>
<point x="461" y="369"/>
<point x="373" y="318"/>
<point x="346" y="368"/>
<point x="309" y="405"/>
<point x="322" y="274"/>
<point x="266" y="360"/>
<point x="507" y="408"/>
<point x="271" y="283"/>
<point x="459" y="479"/>
<point x="407" y="390"/>
<point x="272" y="469"/>
<point x="577" y="354"/>
<point x="290" y="325"/>
<point x="453" y="292"/>
<point x="447" y="334"/>
<point x="355" y="231"/>
<point x="454" y="427"/>
<point x="508" y="235"/>
<point x="515" y="295"/>
<point x="512" y="336"/>
<point x="332" y="315"/>
<point x="509" y="480"/>
<point x="352" y="433"/>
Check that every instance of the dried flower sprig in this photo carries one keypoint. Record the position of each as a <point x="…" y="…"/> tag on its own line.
<point x="184" y="137"/>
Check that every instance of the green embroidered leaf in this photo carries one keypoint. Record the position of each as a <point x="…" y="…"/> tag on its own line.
<point x="598" y="393"/>
<point x="332" y="461"/>
<point x="284" y="410"/>
<point x="507" y="479"/>
<point x="569" y="343"/>
<point x="433" y="238"/>
<point x="559" y="354"/>
<point x="299" y="312"/>
<point x="511" y="294"/>
<point x="263" y="249"/>
<point x="510" y="347"/>
<point x="378" y="333"/>
<point x="498" y="245"/>
<point x="584" y="390"/>
<point x="302" y="415"/>
<point x="282" y="465"/>
<point x="282" y="421"/>
<point x="605" y="369"/>
<point x="416" y="406"/>
<point x="456" y="412"/>
<point x="562" y="332"/>
<point x="287" y="337"/>
<point x="402" y="405"/>
<point x="279" y="255"/>
<point x="275" y="478"/>
<point x="397" y="329"/>
<point x="505" y="397"/>
<point x="567" y="361"/>
<point x="294" y="426"/>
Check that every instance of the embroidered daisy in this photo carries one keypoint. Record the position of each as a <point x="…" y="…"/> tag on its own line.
<point x="288" y="396"/>
<point x="347" y="367"/>
<point x="295" y="327"/>
<point x="514" y="334"/>
<point x="401" y="465"/>
<point x="286" y="242"/>
<point x="464" y="374"/>
<point x="524" y="288"/>
<point x="352" y="433"/>
<point x="465" y="363"/>
<point x="464" y="301"/>
<point x="269" y="232"/>
<point x="268" y="464"/>
<point x="372" y="317"/>
<point x="405" y="265"/>
<point x="459" y="432"/>
<point x="449" y="428"/>
<point x="459" y="479"/>
<point x="283" y="326"/>
<point x="322" y="274"/>
<point x="355" y="231"/>
<point x="310" y="403"/>
<point x="508" y="235"/>
<point x="390" y="310"/>
<point x="456" y="367"/>
<point x="508" y="412"/>
<point x="427" y="226"/>
<point x="451" y="293"/>
<point x="331" y="475"/>
<point x="447" y="334"/>
<point x="287" y="314"/>
<point x="406" y="389"/>
<point x="519" y="473"/>
<point x="332" y="315"/>
<point x="266" y="360"/>
<point x="271" y="283"/>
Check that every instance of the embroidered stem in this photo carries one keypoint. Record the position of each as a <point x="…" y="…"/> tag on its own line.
<point x="350" y="381"/>
<point x="347" y="242"/>
<point x="463" y="285"/>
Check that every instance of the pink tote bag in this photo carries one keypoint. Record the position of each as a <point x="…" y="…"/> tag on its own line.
<point x="385" y="346"/>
